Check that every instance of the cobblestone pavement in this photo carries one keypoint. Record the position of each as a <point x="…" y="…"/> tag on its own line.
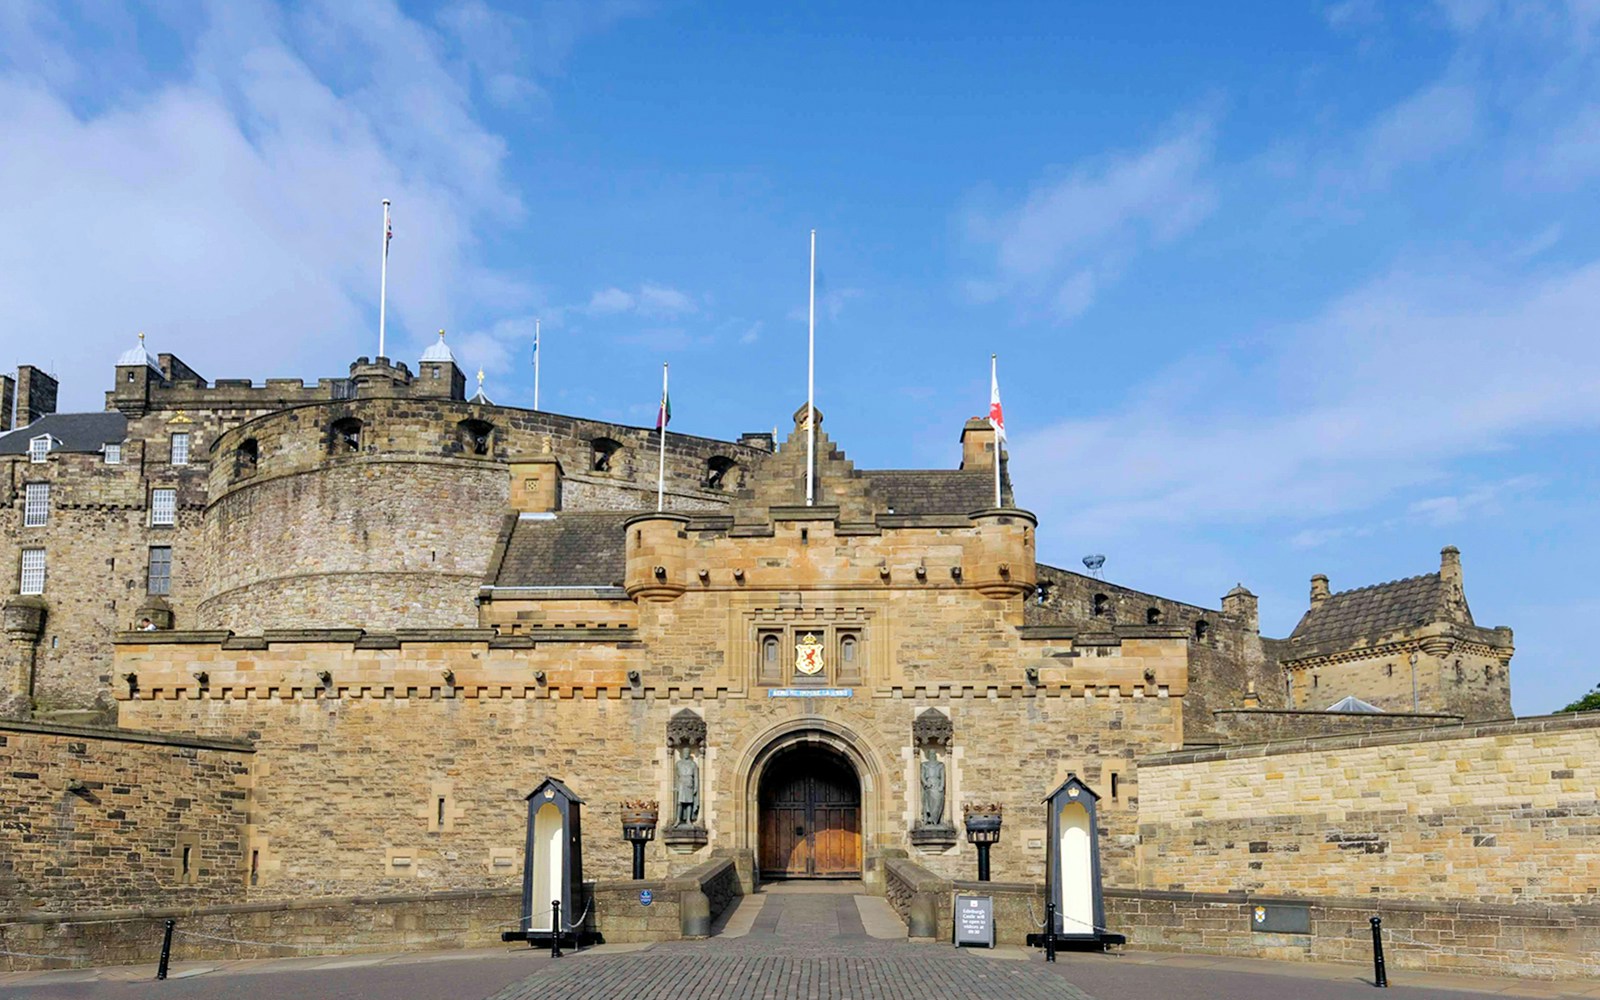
<point x="811" y="947"/>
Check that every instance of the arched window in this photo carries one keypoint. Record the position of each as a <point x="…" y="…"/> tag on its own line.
<point x="1152" y="616"/>
<point x="717" y="469"/>
<point x="1100" y="605"/>
<point x="603" y="450"/>
<point x="847" y="649"/>
<point x="247" y="458"/>
<point x="769" y="652"/>
<point x="345" y="435"/>
<point x="476" y="436"/>
<point x="1202" y="628"/>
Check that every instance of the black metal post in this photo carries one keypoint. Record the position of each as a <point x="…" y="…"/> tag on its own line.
<point x="1380" y="976"/>
<point x="1050" y="932"/>
<point x="555" y="928"/>
<point x="638" y="860"/>
<point x="166" y="950"/>
<point x="983" y="862"/>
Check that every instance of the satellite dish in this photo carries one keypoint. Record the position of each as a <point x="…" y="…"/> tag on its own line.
<point x="1093" y="563"/>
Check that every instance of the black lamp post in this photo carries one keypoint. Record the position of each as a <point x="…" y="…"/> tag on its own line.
<point x="983" y="830"/>
<point x="638" y="829"/>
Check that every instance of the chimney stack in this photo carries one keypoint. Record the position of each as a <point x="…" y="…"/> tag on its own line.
<point x="8" y="399"/>
<point x="36" y="394"/>
<point x="1319" y="589"/>
<point x="1450" y="566"/>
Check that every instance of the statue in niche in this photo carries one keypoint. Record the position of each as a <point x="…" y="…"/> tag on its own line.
<point x="688" y="788"/>
<point x="932" y="789"/>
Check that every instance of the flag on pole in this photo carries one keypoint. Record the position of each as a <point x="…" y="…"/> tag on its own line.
<point x="664" y="413"/>
<point x="997" y="418"/>
<point x="388" y="229"/>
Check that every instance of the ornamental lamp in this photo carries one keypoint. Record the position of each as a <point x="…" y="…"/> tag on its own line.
<point x="983" y="831"/>
<point x="639" y="828"/>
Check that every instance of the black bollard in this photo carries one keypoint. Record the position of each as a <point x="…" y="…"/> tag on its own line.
<point x="555" y="928"/>
<point x="638" y="860"/>
<point x="983" y="862"/>
<point x="1380" y="977"/>
<point x="166" y="950"/>
<point x="1050" y="932"/>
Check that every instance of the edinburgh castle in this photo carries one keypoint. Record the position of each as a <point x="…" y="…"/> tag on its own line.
<point x="350" y="625"/>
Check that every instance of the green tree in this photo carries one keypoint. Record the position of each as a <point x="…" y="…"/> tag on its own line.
<point x="1588" y="703"/>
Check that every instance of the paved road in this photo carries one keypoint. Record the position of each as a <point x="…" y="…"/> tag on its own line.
<point x="803" y="946"/>
<point x="781" y="944"/>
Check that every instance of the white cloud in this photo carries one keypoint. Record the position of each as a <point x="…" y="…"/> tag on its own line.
<point x="233" y="212"/>
<point x="752" y="333"/>
<point x="648" y="300"/>
<point x="1071" y="235"/>
<point x="1419" y="129"/>
<point x="1371" y="400"/>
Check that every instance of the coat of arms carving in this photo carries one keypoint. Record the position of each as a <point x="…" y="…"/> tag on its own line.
<point x="808" y="655"/>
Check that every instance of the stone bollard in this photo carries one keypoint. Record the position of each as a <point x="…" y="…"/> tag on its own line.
<point x="694" y="914"/>
<point x="922" y="920"/>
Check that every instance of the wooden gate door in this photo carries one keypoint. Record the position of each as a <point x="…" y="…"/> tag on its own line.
<point x="810" y="819"/>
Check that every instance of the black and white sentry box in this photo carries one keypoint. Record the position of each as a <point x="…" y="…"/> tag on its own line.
<point x="974" y="920"/>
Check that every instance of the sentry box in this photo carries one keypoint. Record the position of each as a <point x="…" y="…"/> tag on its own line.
<point x="553" y="870"/>
<point x="1072" y="872"/>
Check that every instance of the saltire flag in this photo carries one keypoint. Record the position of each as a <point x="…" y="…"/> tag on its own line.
<point x="997" y="418"/>
<point x="388" y="230"/>
<point x="664" y="414"/>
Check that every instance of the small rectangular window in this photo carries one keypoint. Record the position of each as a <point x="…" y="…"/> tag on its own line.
<point x="39" y="448"/>
<point x="113" y="454"/>
<point x="1115" y="781"/>
<point x="32" y="581"/>
<point x="180" y="449"/>
<point x="163" y="507"/>
<point x="36" y="505"/>
<point x="159" y="575"/>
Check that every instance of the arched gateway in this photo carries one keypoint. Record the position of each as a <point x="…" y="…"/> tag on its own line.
<point x="809" y="802"/>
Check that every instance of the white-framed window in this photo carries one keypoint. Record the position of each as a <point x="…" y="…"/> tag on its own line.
<point x="38" y="448"/>
<point x="113" y="453"/>
<point x="32" y="581"/>
<point x="159" y="575"/>
<point x="163" y="507"/>
<point x="180" y="448"/>
<point x="36" y="505"/>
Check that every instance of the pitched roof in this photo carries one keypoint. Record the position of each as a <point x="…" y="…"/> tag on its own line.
<point x="569" y="549"/>
<point x="1369" y="612"/>
<point x="81" y="432"/>
<point x="933" y="491"/>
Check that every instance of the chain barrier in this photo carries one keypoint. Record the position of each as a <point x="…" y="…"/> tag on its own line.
<point x="48" y="958"/>
<point x="581" y="917"/>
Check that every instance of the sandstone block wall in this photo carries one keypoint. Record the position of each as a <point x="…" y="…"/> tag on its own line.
<point x="99" y="819"/>
<point x="1502" y="813"/>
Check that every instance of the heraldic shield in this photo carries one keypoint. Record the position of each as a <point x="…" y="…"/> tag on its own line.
<point x="808" y="655"/>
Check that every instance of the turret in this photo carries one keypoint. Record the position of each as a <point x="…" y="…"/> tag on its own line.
<point x="1003" y="561"/>
<point x="438" y="375"/>
<point x="657" y="556"/>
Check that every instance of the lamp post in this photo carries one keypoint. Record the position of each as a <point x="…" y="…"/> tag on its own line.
<point x="638" y="829"/>
<point x="983" y="830"/>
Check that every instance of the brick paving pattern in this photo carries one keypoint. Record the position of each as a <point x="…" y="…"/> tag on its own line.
<point x="810" y="947"/>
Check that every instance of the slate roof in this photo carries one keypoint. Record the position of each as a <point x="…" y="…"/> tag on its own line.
<point x="1351" y="703"/>
<point x="1373" y="611"/>
<point x="933" y="491"/>
<point x="571" y="549"/>
<point x="81" y="432"/>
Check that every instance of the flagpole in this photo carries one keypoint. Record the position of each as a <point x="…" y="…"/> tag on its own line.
<point x="811" y="381"/>
<point x="383" y="280"/>
<point x="536" y="360"/>
<point x="994" y="380"/>
<point x="661" y="421"/>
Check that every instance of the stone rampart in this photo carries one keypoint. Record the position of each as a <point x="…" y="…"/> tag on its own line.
<point x="94" y="819"/>
<point x="1493" y="813"/>
<point x="1253" y="725"/>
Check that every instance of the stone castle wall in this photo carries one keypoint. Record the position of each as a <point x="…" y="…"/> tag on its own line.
<point x="99" y="819"/>
<point x="353" y="775"/>
<point x="1500" y="813"/>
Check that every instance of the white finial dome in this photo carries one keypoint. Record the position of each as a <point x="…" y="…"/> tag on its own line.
<point x="439" y="351"/>
<point x="138" y="356"/>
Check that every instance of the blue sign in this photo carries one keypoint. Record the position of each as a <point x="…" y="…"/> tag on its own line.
<point x="645" y="897"/>
<point x="810" y="693"/>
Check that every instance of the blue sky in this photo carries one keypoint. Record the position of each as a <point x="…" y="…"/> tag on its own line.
<point x="1277" y="289"/>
